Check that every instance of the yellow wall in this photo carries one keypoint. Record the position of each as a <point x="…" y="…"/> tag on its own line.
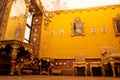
<point x="15" y="28"/>
<point x="65" y="46"/>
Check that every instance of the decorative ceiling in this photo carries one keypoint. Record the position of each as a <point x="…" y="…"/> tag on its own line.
<point x="57" y="5"/>
<point x="18" y="7"/>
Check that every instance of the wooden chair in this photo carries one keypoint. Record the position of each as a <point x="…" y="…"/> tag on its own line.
<point x="96" y="65"/>
<point x="79" y="62"/>
<point x="46" y="65"/>
<point x="110" y="56"/>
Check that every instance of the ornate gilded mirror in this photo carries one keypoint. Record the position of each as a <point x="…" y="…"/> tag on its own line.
<point x="77" y="27"/>
<point x="116" y="22"/>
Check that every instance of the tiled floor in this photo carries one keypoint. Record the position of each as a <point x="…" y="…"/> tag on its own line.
<point x="42" y="77"/>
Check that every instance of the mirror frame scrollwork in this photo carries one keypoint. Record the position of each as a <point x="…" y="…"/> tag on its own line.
<point x="116" y="22"/>
<point x="77" y="27"/>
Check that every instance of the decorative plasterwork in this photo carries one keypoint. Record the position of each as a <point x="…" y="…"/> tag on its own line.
<point x="49" y="14"/>
<point x="48" y="17"/>
<point x="62" y="7"/>
<point x="86" y="9"/>
<point x="57" y="5"/>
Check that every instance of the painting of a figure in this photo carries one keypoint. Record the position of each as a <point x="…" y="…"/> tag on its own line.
<point x="77" y="27"/>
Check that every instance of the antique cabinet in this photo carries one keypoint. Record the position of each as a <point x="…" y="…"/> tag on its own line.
<point x="14" y="55"/>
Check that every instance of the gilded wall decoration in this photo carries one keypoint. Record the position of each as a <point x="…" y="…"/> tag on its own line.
<point x="53" y="32"/>
<point x="35" y="33"/>
<point x="116" y="22"/>
<point x="93" y="30"/>
<point x="77" y="27"/>
<point x="103" y="29"/>
<point x="86" y="9"/>
<point x="36" y="20"/>
<point x="62" y="32"/>
<point x="48" y="17"/>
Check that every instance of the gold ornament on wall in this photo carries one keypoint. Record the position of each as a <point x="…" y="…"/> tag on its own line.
<point x="86" y="9"/>
<point x="116" y="22"/>
<point x="48" y="17"/>
<point x="93" y="30"/>
<point x="103" y="29"/>
<point x="53" y="32"/>
<point x="77" y="27"/>
<point x="62" y="32"/>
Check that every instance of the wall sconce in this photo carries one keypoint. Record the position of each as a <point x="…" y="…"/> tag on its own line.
<point x="48" y="17"/>
<point x="61" y="32"/>
<point x="52" y="32"/>
<point x="93" y="30"/>
<point x="103" y="29"/>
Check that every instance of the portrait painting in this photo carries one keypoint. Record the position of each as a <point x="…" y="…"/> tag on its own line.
<point x="77" y="27"/>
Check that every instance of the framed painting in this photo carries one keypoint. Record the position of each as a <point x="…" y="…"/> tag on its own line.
<point x="77" y="27"/>
<point x="116" y="22"/>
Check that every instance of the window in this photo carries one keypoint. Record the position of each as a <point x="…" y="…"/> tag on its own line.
<point x="28" y="28"/>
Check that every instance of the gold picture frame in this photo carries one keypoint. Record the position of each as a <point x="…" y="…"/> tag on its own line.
<point x="77" y="27"/>
<point x="116" y="22"/>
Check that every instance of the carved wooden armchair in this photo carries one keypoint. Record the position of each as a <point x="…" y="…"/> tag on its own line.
<point x="46" y="65"/>
<point x="112" y="57"/>
<point x="80" y="63"/>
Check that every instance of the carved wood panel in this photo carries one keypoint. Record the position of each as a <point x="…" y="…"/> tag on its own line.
<point x="35" y="33"/>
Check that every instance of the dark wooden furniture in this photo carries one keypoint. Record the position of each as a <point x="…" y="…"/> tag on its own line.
<point x="95" y="66"/>
<point x="110" y="60"/>
<point x="63" y="67"/>
<point x="33" y="68"/>
<point x="5" y="60"/>
<point x="14" y="55"/>
<point x="45" y="64"/>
